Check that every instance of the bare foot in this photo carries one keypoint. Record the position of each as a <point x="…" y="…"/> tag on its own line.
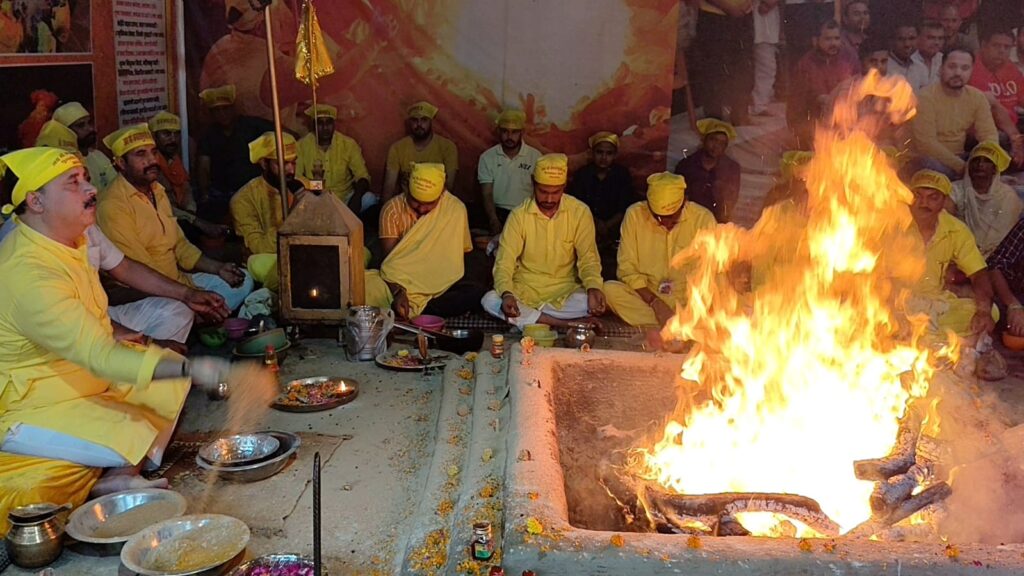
<point x="119" y="482"/>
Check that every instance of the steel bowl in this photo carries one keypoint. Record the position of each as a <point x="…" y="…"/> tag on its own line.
<point x="289" y="444"/>
<point x="95" y="522"/>
<point x="240" y="449"/>
<point x="273" y="562"/>
<point x="186" y="545"/>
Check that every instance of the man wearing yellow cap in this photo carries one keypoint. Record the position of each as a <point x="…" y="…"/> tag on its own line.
<point x="224" y="164"/>
<point x="135" y="214"/>
<point x="79" y="120"/>
<point x="648" y="288"/>
<point x="334" y="158"/>
<point x="606" y="187"/>
<point x="712" y="178"/>
<point x="256" y="208"/>
<point x="425" y="236"/>
<point x="547" y="269"/>
<point x="988" y="206"/>
<point x="421" y="145"/>
<point x="948" y="241"/>
<point x="505" y="171"/>
<point x="791" y="183"/>
<point x="73" y="400"/>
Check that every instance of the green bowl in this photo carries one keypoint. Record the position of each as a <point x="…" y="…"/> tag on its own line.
<point x="546" y="340"/>
<point x="258" y="344"/>
<point x="213" y="337"/>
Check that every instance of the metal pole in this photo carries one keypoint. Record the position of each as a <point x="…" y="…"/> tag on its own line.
<point x="282" y="186"/>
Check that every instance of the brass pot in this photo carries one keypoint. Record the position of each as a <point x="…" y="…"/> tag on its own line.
<point x="578" y="334"/>
<point x="36" y="535"/>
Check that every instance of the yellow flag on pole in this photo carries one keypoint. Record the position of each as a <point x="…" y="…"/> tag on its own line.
<point x="312" y="60"/>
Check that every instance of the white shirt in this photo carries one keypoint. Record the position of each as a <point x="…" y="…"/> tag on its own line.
<point x="103" y="255"/>
<point x="512" y="177"/>
<point x="766" y="26"/>
<point x="921" y="75"/>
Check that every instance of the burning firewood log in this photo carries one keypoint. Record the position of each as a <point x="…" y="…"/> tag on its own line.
<point x="935" y="493"/>
<point x="902" y="457"/>
<point x="890" y="493"/>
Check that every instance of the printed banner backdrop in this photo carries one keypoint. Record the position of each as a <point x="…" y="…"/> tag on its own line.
<point x="575" y="67"/>
<point x="140" y="48"/>
<point x="31" y="92"/>
<point x="45" y="26"/>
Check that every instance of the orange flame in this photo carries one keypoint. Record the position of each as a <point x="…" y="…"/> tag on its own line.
<point x="811" y="371"/>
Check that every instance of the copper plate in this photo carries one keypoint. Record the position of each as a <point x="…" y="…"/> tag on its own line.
<point x="316" y="382"/>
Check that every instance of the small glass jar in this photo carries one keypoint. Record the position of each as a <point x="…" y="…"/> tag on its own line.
<point x="498" y="345"/>
<point x="482" y="547"/>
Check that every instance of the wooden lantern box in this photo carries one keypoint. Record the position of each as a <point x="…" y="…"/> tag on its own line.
<point x="320" y="260"/>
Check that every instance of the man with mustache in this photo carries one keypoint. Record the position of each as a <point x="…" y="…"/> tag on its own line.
<point x="256" y="208"/>
<point x="135" y="214"/>
<point x="80" y="412"/>
<point x="421" y="145"/>
<point x="947" y="112"/>
<point x="328" y="155"/>
<point x="547" y="269"/>
<point x="505" y="171"/>
<point x="79" y="120"/>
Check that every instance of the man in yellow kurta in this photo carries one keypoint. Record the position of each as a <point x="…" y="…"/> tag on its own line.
<point x="79" y="120"/>
<point x="256" y="207"/>
<point x="424" y="233"/>
<point x="421" y="145"/>
<point x="948" y="241"/>
<point x="648" y="288"/>
<point x="136" y="215"/>
<point x="73" y="400"/>
<point x="328" y="155"/>
<point x="547" y="269"/>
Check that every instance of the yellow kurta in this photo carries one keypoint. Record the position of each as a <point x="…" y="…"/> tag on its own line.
<point x="343" y="163"/>
<point x="60" y="367"/>
<point x="543" y="260"/>
<point x="427" y="260"/>
<point x="256" y="210"/>
<point x="145" y="233"/>
<point x="644" y="260"/>
<point x="101" y="172"/>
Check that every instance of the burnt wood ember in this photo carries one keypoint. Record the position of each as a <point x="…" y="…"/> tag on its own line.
<point x="902" y="457"/>
<point x="935" y="493"/>
<point x="888" y="494"/>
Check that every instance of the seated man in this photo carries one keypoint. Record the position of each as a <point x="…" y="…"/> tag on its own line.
<point x="256" y="208"/>
<point x="648" y="288"/>
<point x="820" y="70"/>
<point x="421" y="145"/>
<point x="985" y="203"/>
<point x="79" y="411"/>
<point x="946" y="113"/>
<point x="74" y="116"/>
<point x="328" y="155"/>
<point x="948" y="241"/>
<point x="547" y="256"/>
<point x="1006" y="265"/>
<point x="425" y="235"/>
<point x="712" y="177"/>
<point x="505" y="170"/>
<point x="607" y="189"/>
<point x="135" y="214"/>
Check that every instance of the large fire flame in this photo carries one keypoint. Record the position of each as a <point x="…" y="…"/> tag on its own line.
<point x="812" y="370"/>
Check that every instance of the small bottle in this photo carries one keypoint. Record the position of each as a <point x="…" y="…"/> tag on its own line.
<point x="270" y="361"/>
<point x="482" y="547"/>
<point x="498" y="345"/>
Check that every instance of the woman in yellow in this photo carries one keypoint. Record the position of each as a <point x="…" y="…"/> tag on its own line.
<point x="73" y="401"/>
<point x="648" y="288"/>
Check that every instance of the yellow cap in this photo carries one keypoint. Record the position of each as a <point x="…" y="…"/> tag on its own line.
<point x="994" y="152"/>
<point x="426" y="181"/>
<point x="165" y="121"/>
<point x="932" y="179"/>
<point x="265" y="147"/>
<point x="321" y="111"/>
<point x="711" y="125"/>
<point x="220" y="96"/>
<point x="34" y="167"/>
<point x="129" y="138"/>
<point x="608" y="137"/>
<point x="512" y="119"/>
<point x="551" y="169"/>
<point x="56" y="135"/>
<point x="665" y="193"/>
<point x="792" y="161"/>
<point x="70" y="113"/>
<point x="422" y="109"/>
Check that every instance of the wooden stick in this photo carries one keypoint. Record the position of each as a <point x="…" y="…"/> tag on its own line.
<point x="902" y="457"/>
<point x="888" y="494"/>
<point x="935" y="493"/>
